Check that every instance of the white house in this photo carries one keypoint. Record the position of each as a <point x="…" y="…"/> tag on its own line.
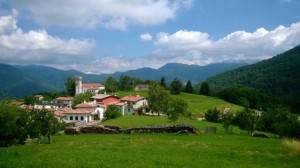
<point x="64" y="101"/>
<point x="133" y="103"/>
<point x="75" y="115"/>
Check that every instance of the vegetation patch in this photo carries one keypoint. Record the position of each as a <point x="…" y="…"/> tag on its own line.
<point x="292" y="147"/>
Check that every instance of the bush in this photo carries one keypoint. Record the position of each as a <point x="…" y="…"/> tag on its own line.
<point x="112" y="112"/>
<point x="213" y="115"/>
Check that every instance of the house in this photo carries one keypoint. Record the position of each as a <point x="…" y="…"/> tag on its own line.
<point x="93" y="88"/>
<point x="141" y="87"/>
<point x="105" y="100"/>
<point x="133" y="103"/>
<point x="64" y="101"/>
<point x="39" y="97"/>
<point x="46" y="105"/>
<point x="75" y="115"/>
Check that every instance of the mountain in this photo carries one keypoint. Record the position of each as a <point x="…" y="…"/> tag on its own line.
<point x="278" y="76"/>
<point x="17" y="81"/>
<point x="183" y="72"/>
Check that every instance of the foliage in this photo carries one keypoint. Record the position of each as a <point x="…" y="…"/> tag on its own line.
<point x="158" y="98"/>
<point x="163" y="82"/>
<point x="276" y="77"/>
<point x="176" y="86"/>
<point x="204" y="89"/>
<point x="13" y="124"/>
<point x="189" y="87"/>
<point x="213" y="115"/>
<point x="177" y="107"/>
<point x="29" y="100"/>
<point x="70" y="85"/>
<point x="246" y="97"/>
<point x="125" y="83"/>
<point x="246" y="120"/>
<point x="80" y="98"/>
<point x="43" y="123"/>
<point x="111" y="85"/>
<point x="112" y="112"/>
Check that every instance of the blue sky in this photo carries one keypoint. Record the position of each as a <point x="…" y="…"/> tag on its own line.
<point x="104" y="36"/>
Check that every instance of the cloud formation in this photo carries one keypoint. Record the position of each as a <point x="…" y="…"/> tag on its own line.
<point x="194" y="47"/>
<point x="146" y="37"/>
<point x="113" y="14"/>
<point x="37" y="46"/>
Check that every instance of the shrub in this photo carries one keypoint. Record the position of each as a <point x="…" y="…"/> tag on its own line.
<point x="213" y="115"/>
<point x="112" y="112"/>
<point x="292" y="147"/>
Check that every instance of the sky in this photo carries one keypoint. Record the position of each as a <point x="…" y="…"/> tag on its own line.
<point x="106" y="36"/>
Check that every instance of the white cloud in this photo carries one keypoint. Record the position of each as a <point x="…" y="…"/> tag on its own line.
<point x="116" y="14"/>
<point x="194" y="47"/>
<point x="146" y="37"/>
<point x="37" y="46"/>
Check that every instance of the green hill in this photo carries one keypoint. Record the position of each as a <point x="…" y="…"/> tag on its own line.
<point x="277" y="77"/>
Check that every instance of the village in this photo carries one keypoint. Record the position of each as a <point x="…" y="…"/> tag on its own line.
<point x="92" y="111"/>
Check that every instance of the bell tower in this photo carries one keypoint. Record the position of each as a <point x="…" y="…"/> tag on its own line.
<point x="78" y="85"/>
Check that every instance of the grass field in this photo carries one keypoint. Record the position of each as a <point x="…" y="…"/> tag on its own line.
<point x="197" y="104"/>
<point x="150" y="150"/>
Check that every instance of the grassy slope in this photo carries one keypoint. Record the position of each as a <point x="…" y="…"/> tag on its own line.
<point x="197" y="104"/>
<point x="146" y="150"/>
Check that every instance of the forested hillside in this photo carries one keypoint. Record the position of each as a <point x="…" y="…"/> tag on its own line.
<point x="278" y="77"/>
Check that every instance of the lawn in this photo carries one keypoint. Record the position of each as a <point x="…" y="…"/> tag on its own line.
<point x="150" y="150"/>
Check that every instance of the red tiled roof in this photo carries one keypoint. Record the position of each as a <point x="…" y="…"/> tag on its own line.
<point x="65" y="111"/>
<point x="132" y="98"/>
<point x="85" y="105"/>
<point x="64" y="99"/>
<point x="92" y="86"/>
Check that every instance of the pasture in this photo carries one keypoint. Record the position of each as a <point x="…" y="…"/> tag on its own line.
<point x="151" y="150"/>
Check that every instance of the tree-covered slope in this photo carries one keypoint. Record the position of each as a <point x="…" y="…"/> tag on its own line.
<point x="278" y="76"/>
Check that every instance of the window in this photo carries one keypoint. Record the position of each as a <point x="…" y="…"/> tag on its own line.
<point x="81" y="118"/>
<point x="76" y="118"/>
<point x="71" y="117"/>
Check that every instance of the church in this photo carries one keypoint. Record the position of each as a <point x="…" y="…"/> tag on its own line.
<point x="93" y="88"/>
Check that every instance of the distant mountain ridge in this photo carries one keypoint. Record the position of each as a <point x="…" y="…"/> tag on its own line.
<point x="18" y="81"/>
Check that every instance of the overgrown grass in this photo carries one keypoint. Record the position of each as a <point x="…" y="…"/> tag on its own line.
<point x="149" y="150"/>
<point x="292" y="147"/>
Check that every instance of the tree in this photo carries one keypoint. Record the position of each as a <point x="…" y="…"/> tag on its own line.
<point x="247" y="120"/>
<point x="204" y="89"/>
<point x="113" y="111"/>
<point x="43" y="123"/>
<point x="111" y="85"/>
<point x="79" y="98"/>
<point x="13" y="124"/>
<point x="163" y="82"/>
<point x="177" y="107"/>
<point x="71" y="86"/>
<point x="176" y="86"/>
<point x="125" y="82"/>
<point x="158" y="98"/>
<point x="188" y="87"/>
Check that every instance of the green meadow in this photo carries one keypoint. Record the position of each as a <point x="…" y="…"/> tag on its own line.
<point x="152" y="150"/>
